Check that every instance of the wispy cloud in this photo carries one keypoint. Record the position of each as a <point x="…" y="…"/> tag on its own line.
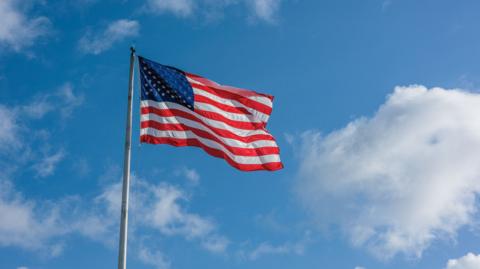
<point x="189" y="173"/>
<point x="400" y="179"/>
<point x="17" y="30"/>
<point x="9" y="129"/>
<point x="47" y="164"/>
<point x="22" y="145"/>
<point x="156" y="258"/>
<point x="264" y="10"/>
<point x="267" y="248"/>
<point x="24" y="224"/>
<point x="100" y="41"/>
<point x="64" y="100"/>
<point x="178" y="7"/>
<point x="247" y="252"/>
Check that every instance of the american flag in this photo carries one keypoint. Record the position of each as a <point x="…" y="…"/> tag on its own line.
<point x="182" y="109"/>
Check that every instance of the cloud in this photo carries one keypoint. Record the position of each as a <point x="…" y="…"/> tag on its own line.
<point x="401" y="179"/>
<point x="162" y="209"/>
<point x="469" y="261"/>
<point x="359" y="267"/>
<point x="8" y="129"/>
<point x="266" y="248"/>
<point x="116" y="31"/>
<point x="68" y="101"/>
<point x="17" y="30"/>
<point x="216" y="243"/>
<point x="26" y="225"/>
<point x="46" y="166"/>
<point x="64" y="100"/>
<point x="269" y="249"/>
<point x="180" y="8"/>
<point x="189" y="173"/>
<point x="156" y="259"/>
<point x="21" y="143"/>
<point x="166" y="214"/>
<point x="265" y="10"/>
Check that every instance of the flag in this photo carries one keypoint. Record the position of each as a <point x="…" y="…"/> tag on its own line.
<point x="183" y="109"/>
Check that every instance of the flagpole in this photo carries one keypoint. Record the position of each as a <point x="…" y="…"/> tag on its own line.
<point x="122" y="249"/>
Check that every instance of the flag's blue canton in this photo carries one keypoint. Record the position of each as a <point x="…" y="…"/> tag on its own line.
<point x="164" y="84"/>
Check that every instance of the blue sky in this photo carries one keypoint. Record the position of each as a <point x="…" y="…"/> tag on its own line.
<point x="375" y="112"/>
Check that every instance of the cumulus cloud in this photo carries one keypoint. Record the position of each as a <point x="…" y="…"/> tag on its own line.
<point x="469" y="261"/>
<point x="117" y="31"/>
<point x="401" y="179"/>
<point x="264" y="10"/>
<point x="17" y="30"/>
<point x="29" y="224"/>
<point x="163" y="209"/>
<point x="166" y="214"/>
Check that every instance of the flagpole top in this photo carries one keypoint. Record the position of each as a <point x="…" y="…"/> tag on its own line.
<point x="132" y="49"/>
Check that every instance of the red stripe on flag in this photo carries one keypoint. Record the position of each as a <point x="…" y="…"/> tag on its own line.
<point x="272" y="166"/>
<point x="257" y="151"/>
<point x="207" y="114"/>
<point x="227" y="108"/>
<point x="239" y="98"/>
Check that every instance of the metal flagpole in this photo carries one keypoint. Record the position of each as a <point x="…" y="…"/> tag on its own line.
<point x="122" y="249"/>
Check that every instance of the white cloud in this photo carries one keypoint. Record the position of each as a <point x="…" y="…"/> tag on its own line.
<point x="22" y="267"/>
<point x="116" y="31"/>
<point x="216" y="244"/>
<point x="64" y="100"/>
<point x="267" y="248"/>
<point x="359" y="267"/>
<point x="167" y="215"/>
<point x="8" y="129"/>
<point x="189" y="173"/>
<point x="161" y="207"/>
<point x="469" y="261"/>
<point x="67" y="100"/>
<point x="156" y="259"/>
<point x="178" y="7"/>
<point x="265" y="10"/>
<point x="17" y="30"/>
<point x="26" y="225"/>
<point x="401" y="179"/>
<point x="46" y="166"/>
